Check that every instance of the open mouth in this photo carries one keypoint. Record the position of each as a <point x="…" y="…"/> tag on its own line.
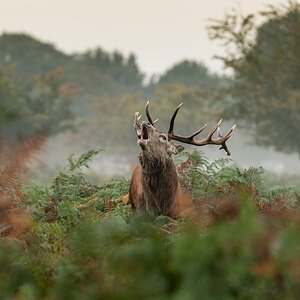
<point x="144" y="133"/>
<point x="143" y="136"/>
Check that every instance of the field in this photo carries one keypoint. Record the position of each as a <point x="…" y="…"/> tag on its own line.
<point x="77" y="240"/>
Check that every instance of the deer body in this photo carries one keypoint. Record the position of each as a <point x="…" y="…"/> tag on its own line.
<point x="154" y="186"/>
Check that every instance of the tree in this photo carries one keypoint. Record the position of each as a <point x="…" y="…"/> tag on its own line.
<point x="31" y="107"/>
<point x="123" y="70"/>
<point x="96" y="71"/>
<point x="29" y="55"/>
<point x="190" y="73"/>
<point x="199" y="107"/>
<point x="265" y="61"/>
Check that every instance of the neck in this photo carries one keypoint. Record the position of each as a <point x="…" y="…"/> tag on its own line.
<point x="159" y="181"/>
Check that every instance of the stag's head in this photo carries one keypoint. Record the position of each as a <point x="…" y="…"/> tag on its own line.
<point x="155" y="143"/>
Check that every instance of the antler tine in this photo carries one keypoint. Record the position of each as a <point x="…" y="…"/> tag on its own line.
<point x="137" y="117"/>
<point x="148" y="114"/>
<point x="226" y="137"/>
<point x="136" y="123"/>
<point x="230" y="132"/>
<point x="197" y="132"/>
<point x="211" y="133"/>
<point x="171" y="128"/>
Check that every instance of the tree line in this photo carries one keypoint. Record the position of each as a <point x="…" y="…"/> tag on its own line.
<point x="44" y="89"/>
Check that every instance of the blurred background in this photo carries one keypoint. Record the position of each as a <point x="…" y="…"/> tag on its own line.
<point x="72" y="74"/>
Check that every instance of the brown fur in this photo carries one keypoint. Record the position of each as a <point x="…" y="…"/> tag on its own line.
<point x="159" y="195"/>
<point x="154" y="185"/>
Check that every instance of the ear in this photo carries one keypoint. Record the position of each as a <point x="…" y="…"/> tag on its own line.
<point x="178" y="149"/>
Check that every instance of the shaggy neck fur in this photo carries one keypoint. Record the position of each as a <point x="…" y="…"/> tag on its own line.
<point x="159" y="183"/>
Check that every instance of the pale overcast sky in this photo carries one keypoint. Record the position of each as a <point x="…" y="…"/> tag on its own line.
<point x="159" y="32"/>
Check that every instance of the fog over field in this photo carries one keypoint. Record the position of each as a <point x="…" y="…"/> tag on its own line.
<point x="107" y="164"/>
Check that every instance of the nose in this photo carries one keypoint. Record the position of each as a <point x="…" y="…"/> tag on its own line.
<point x="146" y="123"/>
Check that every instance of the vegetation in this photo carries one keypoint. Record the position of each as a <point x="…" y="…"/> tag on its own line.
<point x="28" y="55"/>
<point x="113" y="72"/>
<point x="264" y="59"/>
<point x="198" y="75"/>
<point x="32" y="107"/>
<point x="101" y="89"/>
<point x="78" y="240"/>
<point x="263" y="95"/>
<point x="75" y="239"/>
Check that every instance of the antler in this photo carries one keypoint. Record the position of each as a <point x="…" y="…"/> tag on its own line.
<point x="148" y="114"/>
<point x="208" y="140"/>
<point x="137" y="117"/>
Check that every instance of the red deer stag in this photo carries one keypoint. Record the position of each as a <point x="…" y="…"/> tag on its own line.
<point x="154" y="186"/>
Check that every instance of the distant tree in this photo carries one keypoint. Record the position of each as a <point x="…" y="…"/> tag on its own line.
<point x="199" y="107"/>
<point x="190" y="73"/>
<point x="135" y="76"/>
<point x="29" y="55"/>
<point x="121" y="69"/>
<point x="39" y="106"/>
<point x="114" y="115"/>
<point x="10" y="97"/>
<point x="96" y="71"/>
<point x="265" y="61"/>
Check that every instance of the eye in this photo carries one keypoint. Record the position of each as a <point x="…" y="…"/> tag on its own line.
<point x="163" y="137"/>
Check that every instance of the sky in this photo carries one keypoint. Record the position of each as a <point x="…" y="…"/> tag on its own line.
<point x="159" y="32"/>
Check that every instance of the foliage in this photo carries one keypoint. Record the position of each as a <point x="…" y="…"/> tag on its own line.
<point x="30" y="56"/>
<point x="41" y="105"/>
<point x="70" y="193"/>
<point x="95" y="71"/>
<point x="190" y="73"/>
<point x="83" y="245"/>
<point x="8" y="92"/>
<point x="264" y="59"/>
<point x="218" y="178"/>
<point x="117" y="114"/>
<point x="124" y="70"/>
<point x="106" y="89"/>
<point x="200" y="107"/>
<point x="114" y="115"/>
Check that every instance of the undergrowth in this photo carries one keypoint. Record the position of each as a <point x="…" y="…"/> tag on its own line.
<point x="218" y="178"/>
<point x="83" y="242"/>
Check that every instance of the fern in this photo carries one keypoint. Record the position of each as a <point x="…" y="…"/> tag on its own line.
<point x="83" y="241"/>
<point x="206" y="179"/>
<point x="82" y="161"/>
